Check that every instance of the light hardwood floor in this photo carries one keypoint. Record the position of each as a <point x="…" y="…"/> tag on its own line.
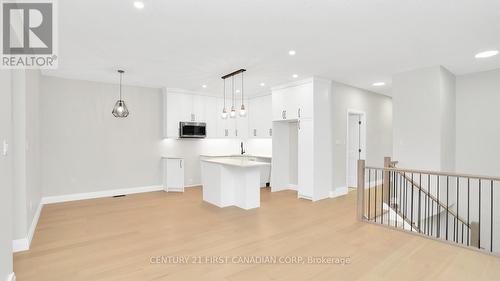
<point x="114" y="239"/>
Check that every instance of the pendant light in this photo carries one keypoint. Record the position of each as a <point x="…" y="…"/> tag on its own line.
<point x="233" y="111"/>
<point x="224" y="112"/>
<point x="243" y="112"/>
<point x="120" y="110"/>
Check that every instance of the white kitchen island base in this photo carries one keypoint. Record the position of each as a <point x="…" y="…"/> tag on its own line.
<point x="231" y="182"/>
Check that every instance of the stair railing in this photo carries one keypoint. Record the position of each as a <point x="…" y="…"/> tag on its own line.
<point x="458" y="208"/>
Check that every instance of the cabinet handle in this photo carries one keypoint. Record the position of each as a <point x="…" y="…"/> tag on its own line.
<point x="284" y="114"/>
<point x="192" y="117"/>
<point x="180" y="163"/>
<point x="236" y="132"/>
<point x="298" y="112"/>
<point x="298" y="124"/>
<point x="254" y="132"/>
<point x="270" y="132"/>
<point x="226" y="132"/>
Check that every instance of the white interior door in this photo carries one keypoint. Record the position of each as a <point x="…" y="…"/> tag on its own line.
<point x="354" y="148"/>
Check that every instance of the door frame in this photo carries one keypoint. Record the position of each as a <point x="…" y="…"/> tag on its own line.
<point x="363" y="140"/>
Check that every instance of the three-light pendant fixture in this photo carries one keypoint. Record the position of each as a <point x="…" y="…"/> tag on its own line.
<point x="232" y="113"/>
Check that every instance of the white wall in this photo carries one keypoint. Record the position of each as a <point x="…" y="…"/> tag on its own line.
<point x="378" y="109"/>
<point x="84" y="148"/>
<point x="26" y="148"/>
<point x="478" y="131"/>
<point x="423" y="113"/>
<point x="6" y="196"/>
<point x="191" y="150"/>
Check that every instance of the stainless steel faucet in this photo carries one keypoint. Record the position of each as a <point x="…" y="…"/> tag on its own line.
<point x="242" y="149"/>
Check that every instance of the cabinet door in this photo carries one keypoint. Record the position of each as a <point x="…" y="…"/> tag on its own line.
<point x="285" y="104"/>
<point x="211" y="116"/>
<point x="279" y="104"/>
<point x="178" y="109"/>
<point x="305" y="101"/>
<point x="266" y="117"/>
<point x="305" y="159"/>
<point x="253" y="121"/>
<point x="198" y="112"/>
<point x="174" y="175"/>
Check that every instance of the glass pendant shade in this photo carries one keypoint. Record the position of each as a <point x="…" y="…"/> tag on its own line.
<point x="224" y="114"/>
<point x="243" y="112"/>
<point x="120" y="110"/>
<point x="233" y="113"/>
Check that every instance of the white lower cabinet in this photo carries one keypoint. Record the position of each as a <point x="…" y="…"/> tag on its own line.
<point x="173" y="174"/>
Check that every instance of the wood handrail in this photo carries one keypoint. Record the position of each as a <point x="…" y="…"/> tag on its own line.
<point x="487" y="178"/>
<point x="432" y="197"/>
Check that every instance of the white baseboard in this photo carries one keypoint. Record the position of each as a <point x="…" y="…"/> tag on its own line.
<point x="293" y="187"/>
<point x="23" y="244"/>
<point x="100" y="194"/>
<point x="193" y="185"/>
<point x="20" y="245"/>
<point x="339" y="191"/>
<point x="12" y="277"/>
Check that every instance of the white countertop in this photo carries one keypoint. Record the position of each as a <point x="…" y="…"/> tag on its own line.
<point x="243" y="163"/>
<point x="171" y="157"/>
<point x="237" y="155"/>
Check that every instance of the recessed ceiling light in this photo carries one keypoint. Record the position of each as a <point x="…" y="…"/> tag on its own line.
<point x="262" y="84"/>
<point x="295" y="76"/>
<point x="139" y="5"/>
<point x="237" y="91"/>
<point x="378" y="84"/>
<point x="486" y="54"/>
<point x="292" y="52"/>
<point x="203" y="86"/>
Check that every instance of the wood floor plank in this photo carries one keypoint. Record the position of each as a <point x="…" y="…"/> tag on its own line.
<point x="115" y="238"/>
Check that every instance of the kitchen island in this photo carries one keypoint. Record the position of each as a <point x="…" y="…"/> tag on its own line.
<point x="231" y="182"/>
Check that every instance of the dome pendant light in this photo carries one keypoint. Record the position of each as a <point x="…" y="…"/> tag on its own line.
<point x="224" y="112"/>
<point x="120" y="110"/>
<point x="243" y="112"/>
<point x="233" y="111"/>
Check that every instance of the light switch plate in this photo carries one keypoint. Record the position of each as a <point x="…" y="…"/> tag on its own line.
<point x="5" y="149"/>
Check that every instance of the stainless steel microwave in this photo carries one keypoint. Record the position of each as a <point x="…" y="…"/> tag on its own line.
<point x="195" y="130"/>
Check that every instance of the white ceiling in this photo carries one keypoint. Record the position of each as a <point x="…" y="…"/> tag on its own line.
<point x="188" y="43"/>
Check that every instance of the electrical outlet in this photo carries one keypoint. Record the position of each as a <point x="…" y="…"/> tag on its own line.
<point x="5" y="149"/>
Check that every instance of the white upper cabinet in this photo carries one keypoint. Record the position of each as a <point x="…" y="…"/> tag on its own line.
<point x="260" y="117"/>
<point x="178" y="108"/>
<point x="293" y="102"/>
<point x="186" y="107"/>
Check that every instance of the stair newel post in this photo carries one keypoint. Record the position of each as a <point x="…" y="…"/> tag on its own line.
<point x="361" y="190"/>
<point x="386" y="182"/>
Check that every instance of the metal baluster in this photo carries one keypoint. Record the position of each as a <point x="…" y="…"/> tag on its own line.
<point x="411" y="206"/>
<point x="382" y="201"/>
<point x="419" y="202"/>
<point x="491" y="217"/>
<point x="458" y="206"/>
<point x="438" y="227"/>
<point x="479" y="225"/>
<point x="376" y="172"/>
<point x="447" y="204"/>
<point x="428" y="203"/>
<point x="369" y="193"/>
<point x="468" y="211"/>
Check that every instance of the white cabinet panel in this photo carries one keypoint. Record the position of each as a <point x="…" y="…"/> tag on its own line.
<point x="293" y="102"/>
<point x="305" y="159"/>
<point x="260" y="117"/>
<point x="173" y="175"/>
<point x="198" y="109"/>
<point x="211" y="115"/>
<point x="305" y="101"/>
<point x="178" y="109"/>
